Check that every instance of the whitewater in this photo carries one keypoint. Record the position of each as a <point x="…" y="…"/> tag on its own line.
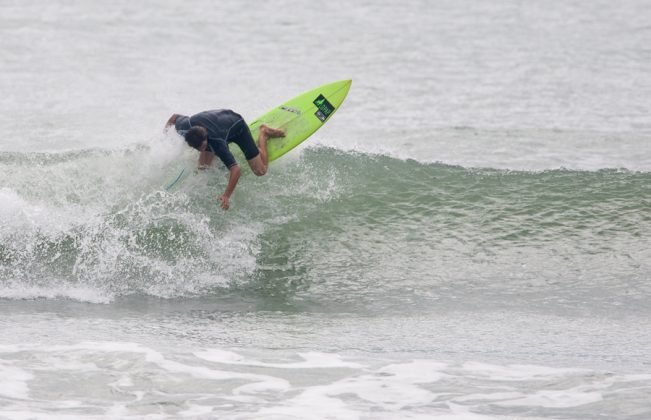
<point x="467" y="238"/>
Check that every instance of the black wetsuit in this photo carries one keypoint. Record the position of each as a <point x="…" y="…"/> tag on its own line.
<point x="223" y="126"/>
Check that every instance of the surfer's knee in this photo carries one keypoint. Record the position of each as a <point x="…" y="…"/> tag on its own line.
<point x="260" y="171"/>
<point x="258" y="166"/>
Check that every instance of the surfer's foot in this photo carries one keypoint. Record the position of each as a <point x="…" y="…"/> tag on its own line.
<point x="272" y="132"/>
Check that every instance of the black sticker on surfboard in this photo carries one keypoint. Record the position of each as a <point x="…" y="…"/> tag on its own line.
<point x="324" y="108"/>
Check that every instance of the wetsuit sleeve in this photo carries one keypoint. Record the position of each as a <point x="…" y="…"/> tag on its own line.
<point x="220" y="148"/>
<point x="182" y="124"/>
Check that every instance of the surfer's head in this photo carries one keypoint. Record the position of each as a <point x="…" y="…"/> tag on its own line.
<point x="195" y="137"/>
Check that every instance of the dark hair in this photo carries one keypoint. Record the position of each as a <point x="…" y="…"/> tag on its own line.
<point x="195" y="136"/>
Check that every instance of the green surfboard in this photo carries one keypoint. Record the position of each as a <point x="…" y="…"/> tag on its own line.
<point x="299" y="117"/>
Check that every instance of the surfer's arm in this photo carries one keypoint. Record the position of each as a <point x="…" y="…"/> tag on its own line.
<point x="232" y="182"/>
<point x="205" y="159"/>
<point x="171" y="121"/>
<point x="220" y="147"/>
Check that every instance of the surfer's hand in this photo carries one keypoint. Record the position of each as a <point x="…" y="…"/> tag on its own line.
<point x="170" y="122"/>
<point x="225" y="202"/>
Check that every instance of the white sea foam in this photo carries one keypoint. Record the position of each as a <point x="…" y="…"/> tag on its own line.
<point x="387" y="389"/>
<point x="197" y="411"/>
<point x="517" y="372"/>
<point x="555" y="399"/>
<point x="21" y="216"/>
<point x="417" y="371"/>
<point x="14" y="382"/>
<point x="55" y="289"/>
<point x="311" y="360"/>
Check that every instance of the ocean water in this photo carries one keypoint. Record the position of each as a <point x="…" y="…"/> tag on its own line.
<point x="467" y="238"/>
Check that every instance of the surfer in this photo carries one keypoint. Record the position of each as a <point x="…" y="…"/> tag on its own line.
<point x="210" y="132"/>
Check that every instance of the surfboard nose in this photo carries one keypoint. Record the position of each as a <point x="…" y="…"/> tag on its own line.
<point x="346" y="84"/>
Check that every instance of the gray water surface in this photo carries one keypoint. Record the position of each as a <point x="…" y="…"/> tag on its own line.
<point x="467" y="238"/>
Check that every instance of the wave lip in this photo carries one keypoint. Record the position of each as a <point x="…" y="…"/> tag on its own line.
<point x="505" y="149"/>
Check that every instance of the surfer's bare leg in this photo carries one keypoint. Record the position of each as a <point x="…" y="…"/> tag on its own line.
<point x="260" y="163"/>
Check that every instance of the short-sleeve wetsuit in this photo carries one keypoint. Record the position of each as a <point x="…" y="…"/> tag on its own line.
<point x="223" y="126"/>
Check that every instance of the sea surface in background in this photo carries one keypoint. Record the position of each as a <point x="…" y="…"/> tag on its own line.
<point x="467" y="238"/>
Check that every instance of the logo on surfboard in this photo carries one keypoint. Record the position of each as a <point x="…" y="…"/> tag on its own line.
<point x="292" y="110"/>
<point x="324" y="108"/>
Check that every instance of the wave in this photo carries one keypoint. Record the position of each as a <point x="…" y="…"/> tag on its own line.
<point x="96" y="225"/>
<point x="526" y="149"/>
